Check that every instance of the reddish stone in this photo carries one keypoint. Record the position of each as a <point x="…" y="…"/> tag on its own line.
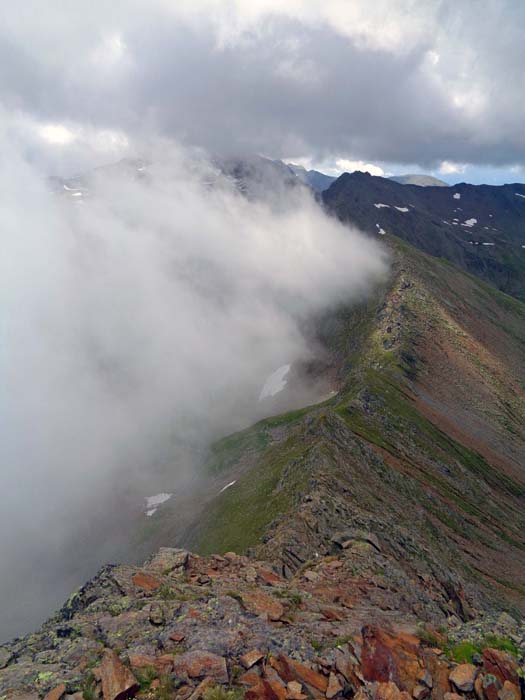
<point x="146" y="581"/>
<point x="386" y="658"/>
<point x="490" y="686"/>
<point x="501" y="664"/>
<point x="334" y="686"/>
<point x="269" y="577"/>
<point x="56" y="693"/>
<point x="420" y="691"/>
<point x="262" y="691"/>
<point x="251" y="658"/>
<point x="261" y="604"/>
<point x="389" y="691"/>
<point x="249" y="678"/>
<point x="177" y="637"/>
<point x="510" y="691"/>
<point x="118" y="683"/>
<point x="290" y="670"/>
<point x="162" y="664"/>
<point x="331" y="614"/>
<point x="201" y="663"/>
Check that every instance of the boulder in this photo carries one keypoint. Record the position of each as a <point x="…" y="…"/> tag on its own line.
<point x="501" y="664"/>
<point x="463" y="677"/>
<point x="197" y="664"/>
<point x="118" y="683"/>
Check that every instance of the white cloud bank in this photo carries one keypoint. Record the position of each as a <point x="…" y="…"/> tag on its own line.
<point x="142" y="320"/>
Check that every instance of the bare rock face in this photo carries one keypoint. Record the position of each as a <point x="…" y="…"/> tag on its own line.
<point x="118" y="683"/>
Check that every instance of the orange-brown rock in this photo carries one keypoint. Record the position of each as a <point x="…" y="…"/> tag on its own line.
<point x="56" y="693"/>
<point x="262" y="604"/>
<point x="118" y="683"/>
<point x="262" y="691"/>
<point x="177" y="637"/>
<point x="478" y="687"/>
<point x="146" y="581"/>
<point x="510" y="691"/>
<point x="387" y="658"/>
<point x="388" y="691"/>
<point x="269" y="577"/>
<point x="452" y="696"/>
<point x="463" y="677"/>
<point x="250" y="678"/>
<point x="162" y="664"/>
<point x="334" y="686"/>
<point x="251" y="658"/>
<point x="501" y="664"/>
<point x="196" y="664"/>
<point x="420" y="691"/>
<point x="290" y="670"/>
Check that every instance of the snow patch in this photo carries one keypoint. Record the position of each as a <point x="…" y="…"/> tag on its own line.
<point x="275" y="382"/>
<point x="488" y="244"/>
<point x="153" y="502"/>
<point x="519" y="195"/>
<point x="379" y="205"/>
<point x="228" y="486"/>
<point x="470" y="222"/>
<point x="403" y="209"/>
<point x="380" y="230"/>
<point x="456" y="195"/>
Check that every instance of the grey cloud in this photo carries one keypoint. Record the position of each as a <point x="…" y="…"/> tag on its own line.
<point x="284" y="87"/>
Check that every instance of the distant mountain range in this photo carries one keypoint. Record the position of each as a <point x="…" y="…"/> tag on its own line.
<point x="480" y="228"/>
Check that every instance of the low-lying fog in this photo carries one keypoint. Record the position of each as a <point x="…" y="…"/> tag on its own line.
<point x="143" y="311"/>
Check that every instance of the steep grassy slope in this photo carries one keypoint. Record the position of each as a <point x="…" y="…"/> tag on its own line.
<point x="421" y="451"/>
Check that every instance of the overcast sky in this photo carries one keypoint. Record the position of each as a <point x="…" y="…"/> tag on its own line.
<point x="389" y="85"/>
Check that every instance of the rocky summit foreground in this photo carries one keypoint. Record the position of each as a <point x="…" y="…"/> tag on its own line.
<point x="184" y="626"/>
<point x="378" y="534"/>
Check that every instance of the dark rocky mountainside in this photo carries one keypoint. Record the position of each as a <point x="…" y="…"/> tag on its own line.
<point x="480" y="228"/>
